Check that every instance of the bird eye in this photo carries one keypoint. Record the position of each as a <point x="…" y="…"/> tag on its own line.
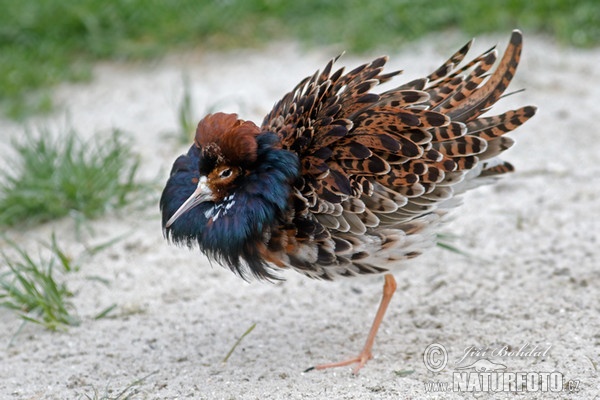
<point x="226" y="173"/>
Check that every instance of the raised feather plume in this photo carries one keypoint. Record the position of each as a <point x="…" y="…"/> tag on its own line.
<point x="401" y="155"/>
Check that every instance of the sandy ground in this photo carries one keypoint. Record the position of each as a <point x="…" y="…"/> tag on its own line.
<point x="533" y="276"/>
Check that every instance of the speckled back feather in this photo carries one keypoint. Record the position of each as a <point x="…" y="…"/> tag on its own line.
<point x="378" y="171"/>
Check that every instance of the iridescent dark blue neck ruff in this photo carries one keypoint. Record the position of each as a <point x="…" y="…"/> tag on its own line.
<point x="232" y="230"/>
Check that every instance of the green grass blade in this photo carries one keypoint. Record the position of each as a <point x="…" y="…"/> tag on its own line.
<point x="105" y="312"/>
<point x="237" y="342"/>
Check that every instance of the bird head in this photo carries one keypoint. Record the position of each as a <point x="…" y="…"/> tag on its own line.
<point x="228" y="191"/>
<point x="228" y="150"/>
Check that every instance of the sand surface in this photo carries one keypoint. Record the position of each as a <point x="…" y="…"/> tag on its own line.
<point x="533" y="276"/>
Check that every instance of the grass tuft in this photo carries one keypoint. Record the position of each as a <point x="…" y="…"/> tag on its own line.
<point x="31" y="288"/>
<point x="185" y="114"/>
<point x="126" y="394"/>
<point x="186" y="121"/>
<point x="53" y="176"/>
<point x="35" y="289"/>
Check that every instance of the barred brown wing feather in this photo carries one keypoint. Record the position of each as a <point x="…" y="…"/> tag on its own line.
<point x="379" y="170"/>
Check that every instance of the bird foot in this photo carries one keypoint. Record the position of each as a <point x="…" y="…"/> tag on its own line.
<point x="361" y="360"/>
<point x="365" y="355"/>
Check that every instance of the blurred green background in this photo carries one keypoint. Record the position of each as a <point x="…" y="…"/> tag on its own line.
<point x="43" y="42"/>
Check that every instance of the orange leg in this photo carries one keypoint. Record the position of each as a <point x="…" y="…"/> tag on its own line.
<point x="365" y="355"/>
